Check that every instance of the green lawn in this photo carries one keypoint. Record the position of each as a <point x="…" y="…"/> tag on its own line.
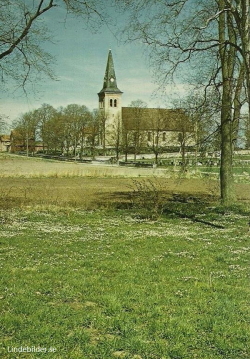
<point x="103" y="285"/>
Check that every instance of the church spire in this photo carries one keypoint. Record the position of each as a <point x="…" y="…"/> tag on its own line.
<point x="109" y="82"/>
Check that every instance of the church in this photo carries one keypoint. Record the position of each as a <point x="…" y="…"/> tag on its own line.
<point x="117" y="130"/>
<point x="139" y="127"/>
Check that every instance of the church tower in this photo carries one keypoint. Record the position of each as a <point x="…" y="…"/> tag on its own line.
<point x="110" y="106"/>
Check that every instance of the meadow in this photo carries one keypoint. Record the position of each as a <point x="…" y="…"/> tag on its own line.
<point x="92" y="274"/>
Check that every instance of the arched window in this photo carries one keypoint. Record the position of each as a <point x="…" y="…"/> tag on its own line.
<point x="115" y="103"/>
<point x="149" y="136"/>
<point x="111" y="102"/>
<point x="164" y="136"/>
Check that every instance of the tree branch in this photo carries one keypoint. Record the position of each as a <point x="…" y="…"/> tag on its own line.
<point x="26" y="29"/>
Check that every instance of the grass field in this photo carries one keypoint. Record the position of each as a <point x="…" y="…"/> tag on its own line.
<point x="98" y="278"/>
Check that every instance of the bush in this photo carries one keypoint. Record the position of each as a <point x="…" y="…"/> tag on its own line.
<point x="149" y="197"/>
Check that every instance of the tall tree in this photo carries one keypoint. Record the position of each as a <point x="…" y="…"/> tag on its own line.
<point x="76" y="121"/>
<point x="93" y="132"/>
<point x="116" y="137"/>
<point x="227" y="59"/>
<point x="137" y="132"/>
<point x="54" y="132"/>
<point x="25" y="133"/>
<point x="156" y="136"/>
<point x="44" y="114"/>
<point x="179" y="33"/>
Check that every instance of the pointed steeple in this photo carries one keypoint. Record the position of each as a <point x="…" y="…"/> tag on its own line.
<point x="109" y="82"/>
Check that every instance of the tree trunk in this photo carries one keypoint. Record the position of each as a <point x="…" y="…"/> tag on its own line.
<point x="238" y="105"/>
<point x="246" y="47"/>
<point x="226" y="168"/>
<point x="227" y="57"/>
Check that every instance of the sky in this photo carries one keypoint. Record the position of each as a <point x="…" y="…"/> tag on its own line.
<point x="81" y="57"/>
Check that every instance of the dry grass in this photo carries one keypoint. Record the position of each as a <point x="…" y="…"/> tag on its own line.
<point x="17" y="166"/>
<point x="27" y="181"/>
<point x="83" y="192"/>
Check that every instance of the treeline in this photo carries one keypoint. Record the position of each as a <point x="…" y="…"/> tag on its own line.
<point x="64" y="130"/>
<point x="74" y="130"/>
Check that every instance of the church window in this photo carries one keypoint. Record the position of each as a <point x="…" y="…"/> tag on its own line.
<point x="111" y="102"/>
<point x="115" y="103"/>
<point x="164" y="136"/>
<point x="149" y="136"/>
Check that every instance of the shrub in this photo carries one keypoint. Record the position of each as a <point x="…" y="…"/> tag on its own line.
<point x="149" y="197"/>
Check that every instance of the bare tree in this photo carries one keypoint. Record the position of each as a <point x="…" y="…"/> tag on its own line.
<point x="116" y="137"/>
<point x="53" y="132"/>
<point x="44" y="114"/>
<point x="127" y="141"/>
<point x="61" y="130"/>
<point x="84" y="121"/>
<point x="156" y="131"/>
<point x="93" y="132"/>
<point x="76" y="119"/>
<point x="179" y="33"/>
<point x="102" y="119"/>
<point x="204" y="114"/>
<point x="24" y="136"/>
<point x="23" y="31"/>
<point x="137" y="131"/>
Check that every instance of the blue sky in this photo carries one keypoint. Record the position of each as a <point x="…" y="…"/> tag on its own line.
<point x="81" y="57"/>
